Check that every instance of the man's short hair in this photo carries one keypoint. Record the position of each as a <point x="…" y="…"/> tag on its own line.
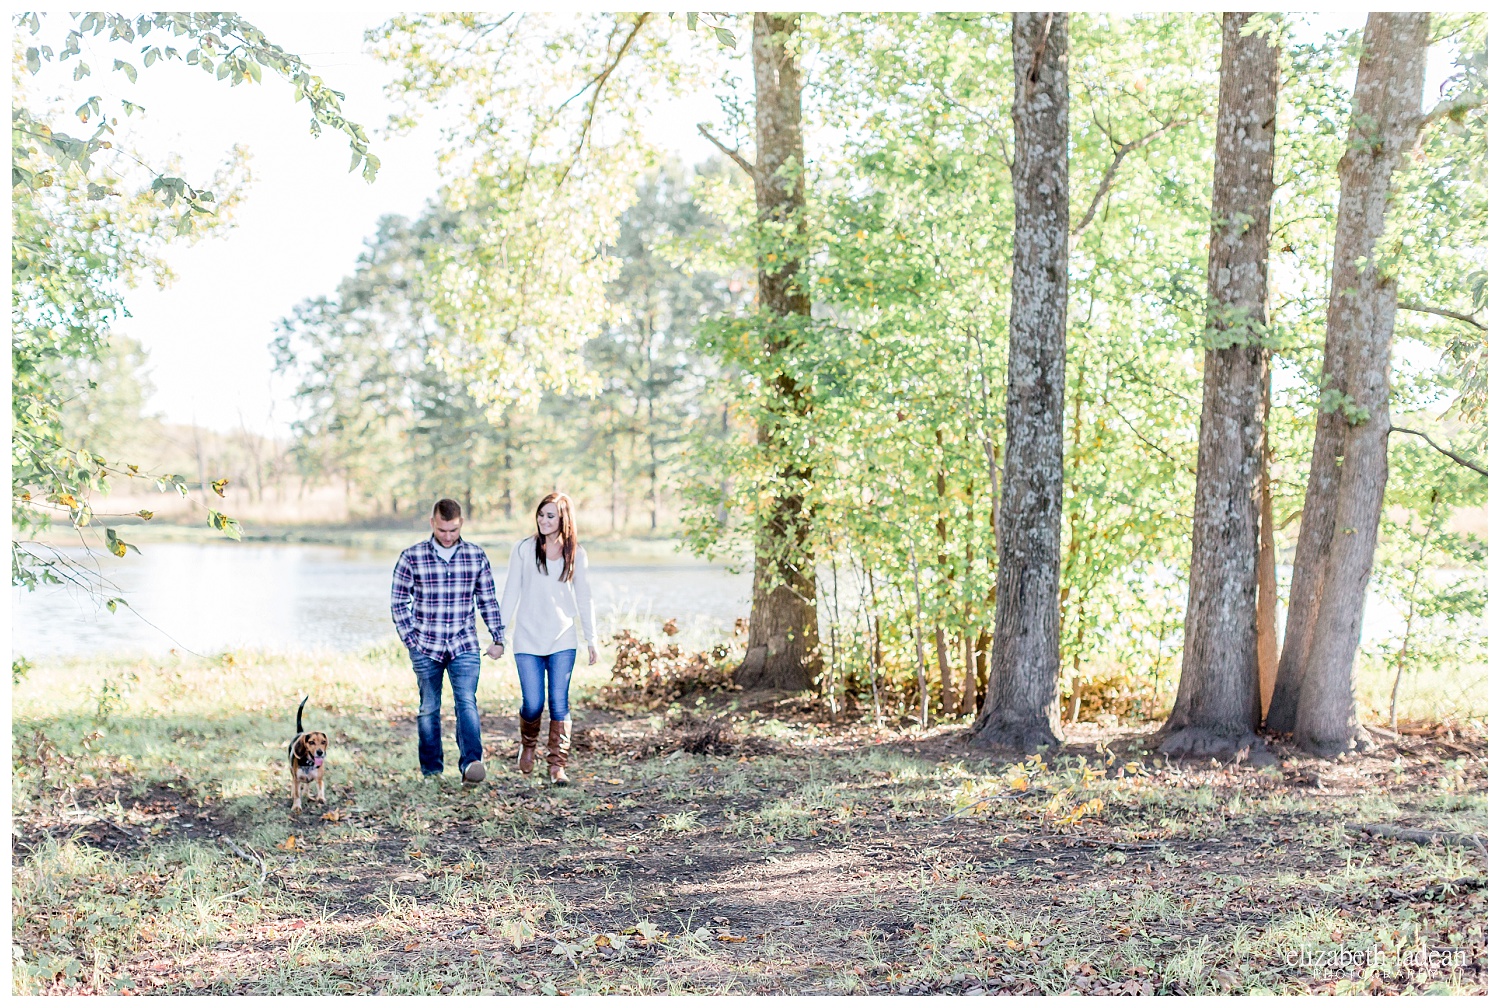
<point x="447" y="509"/>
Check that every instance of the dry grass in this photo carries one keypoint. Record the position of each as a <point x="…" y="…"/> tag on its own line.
<point x="794" y="854"/>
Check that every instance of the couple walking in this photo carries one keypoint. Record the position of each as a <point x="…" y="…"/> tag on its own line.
<point x="435" y="589"/>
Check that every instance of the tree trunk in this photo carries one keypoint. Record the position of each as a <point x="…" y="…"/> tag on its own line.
<point x="982" y="667"/>
<point x="782" y="652"/>
<point x="947" y="699"/>
<point x="1346" y="483"/>
<point x="614" y="491"/>
<point x="1361" y="319"/>
<point x="1218" y="702"/>
<point x="1021" y="705"/>
<point x="971" y="678"/>
<point x="1265" y="569"/>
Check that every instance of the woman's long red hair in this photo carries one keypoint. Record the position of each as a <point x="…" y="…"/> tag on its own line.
<point x="565" y="530"/>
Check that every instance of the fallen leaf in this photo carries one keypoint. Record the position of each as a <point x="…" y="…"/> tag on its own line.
<point x="731" y="938"/>
<point x="334" y="816"/>
<point x="289" y="844"/>
<point x="412" y="946"/>
<point x="410" y="877"/>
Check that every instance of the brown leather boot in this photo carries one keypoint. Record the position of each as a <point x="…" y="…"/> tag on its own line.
<point x="530" y="731"/>
<point x="559" y="735"/>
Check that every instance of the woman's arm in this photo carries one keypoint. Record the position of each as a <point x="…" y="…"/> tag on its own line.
<point x="510" y="598"/>
<point x="585" y="599"/>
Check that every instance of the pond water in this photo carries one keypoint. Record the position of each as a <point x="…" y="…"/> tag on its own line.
<point x="217" y="597"/>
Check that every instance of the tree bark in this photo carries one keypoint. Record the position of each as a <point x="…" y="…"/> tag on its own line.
<point x="1218" y="700"/>
<point x="1021" y="703"/>
<point x="1355" y="412"/>
<point x="1362" y="311"/>
<point x="1266" y="638"/>
<point x="782" y="652"/>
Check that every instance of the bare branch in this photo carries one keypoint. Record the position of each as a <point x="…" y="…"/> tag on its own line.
<point x="733" y="155"/>
<point x="1114" y="167"/>
<point x="1430" y="310"/>
<point x="1457" y="458"/>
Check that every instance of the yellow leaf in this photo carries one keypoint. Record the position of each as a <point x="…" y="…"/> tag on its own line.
<point x="289" y="844"/>
<point x="219" y="485"/>
<point x="145" y="515"/>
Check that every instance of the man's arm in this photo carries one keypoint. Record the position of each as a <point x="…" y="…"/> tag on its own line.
<point x="402" y="582"/>
<point x="489" y="606"/>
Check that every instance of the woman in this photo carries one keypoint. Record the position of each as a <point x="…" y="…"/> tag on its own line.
<point x="546" y="587"/>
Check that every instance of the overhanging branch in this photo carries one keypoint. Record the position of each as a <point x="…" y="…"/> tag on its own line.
<point x="733" y="155"/>
<point x="597" y="83"/>
<point x="1457" y="458"/>
<point x="1430" y="310"/>
<point x="1113" y="169"/>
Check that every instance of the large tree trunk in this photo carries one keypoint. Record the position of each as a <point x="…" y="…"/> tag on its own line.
<point x="782" y="652"/>
<point x="1388" y="116"/>
<point x="1356" y="400"/>
<point x="1021" y="705"/>
<point x="1218" y="702"/>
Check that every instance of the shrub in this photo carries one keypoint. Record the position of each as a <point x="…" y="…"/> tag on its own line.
<point x="646" y="675"/>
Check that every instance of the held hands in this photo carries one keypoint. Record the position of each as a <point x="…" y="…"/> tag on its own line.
<point x="593" y="655"/>
<point x="495" y="651"/>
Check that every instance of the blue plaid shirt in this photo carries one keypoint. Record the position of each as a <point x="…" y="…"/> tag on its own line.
<point x="432" y="599"/>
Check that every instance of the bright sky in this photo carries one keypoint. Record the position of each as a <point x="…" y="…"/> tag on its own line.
<point x="306" y="217"/>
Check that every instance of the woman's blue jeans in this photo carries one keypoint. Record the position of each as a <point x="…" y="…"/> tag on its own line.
<point x="545" y="675"/>
<point x="463" y="675"/>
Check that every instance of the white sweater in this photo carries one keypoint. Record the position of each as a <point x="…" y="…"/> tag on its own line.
<point x="538" y="609"/>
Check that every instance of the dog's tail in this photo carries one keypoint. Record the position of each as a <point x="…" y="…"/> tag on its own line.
<point x="299" y="714"/>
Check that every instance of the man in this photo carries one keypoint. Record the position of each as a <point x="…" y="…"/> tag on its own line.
<point x="434" y="590"/>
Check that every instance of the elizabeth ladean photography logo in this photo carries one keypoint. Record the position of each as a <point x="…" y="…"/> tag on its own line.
<point x="1436" y="959"/>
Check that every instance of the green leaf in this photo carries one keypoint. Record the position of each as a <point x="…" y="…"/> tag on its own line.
<point x="224" y="523"/>
<point x="128" y="68"/>
<point x="725" y="36"/>
<point x="34" y="60"/>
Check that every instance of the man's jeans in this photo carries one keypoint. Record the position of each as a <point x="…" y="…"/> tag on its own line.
<point x="463" y="676"/>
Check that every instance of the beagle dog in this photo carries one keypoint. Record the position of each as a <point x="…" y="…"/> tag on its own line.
<point x="305" y="754"/>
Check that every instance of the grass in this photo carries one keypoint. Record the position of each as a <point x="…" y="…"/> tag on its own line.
<point x="154" y="852"/>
